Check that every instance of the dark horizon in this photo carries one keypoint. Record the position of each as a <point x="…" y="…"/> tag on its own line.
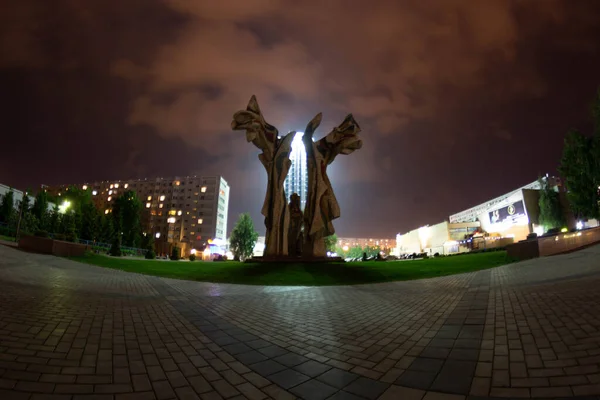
<point x="459" y="102"/>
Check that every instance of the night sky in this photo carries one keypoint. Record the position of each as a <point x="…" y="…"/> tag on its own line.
<point x="459" y="100"/>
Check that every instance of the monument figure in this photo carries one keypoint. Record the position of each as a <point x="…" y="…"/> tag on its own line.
<point x="295" y="227"/>
<point x="275" y="158"/>
<point x="321" y="204"/>
<point x="289" y="230"/>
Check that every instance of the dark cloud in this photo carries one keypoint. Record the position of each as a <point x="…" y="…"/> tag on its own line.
<point x="456" y="99"/>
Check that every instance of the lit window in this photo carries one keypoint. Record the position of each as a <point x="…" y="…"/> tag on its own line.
<point x="160" y="206"/>
<point x="109" y="198"/>
<point x="162" y="198"/>
<point x="94" y="193"/>
<point x="171" y="220"/>
<point x="84" y="187"/>
<point x="177" y="183"/>
<point x="116" y="185"/>
<point x="149" y="198"/>
<point x="111" y="186"/>
<point x="59" y="193"/>
<point x="172" y="212"/>
<point x="203" y="189"/>
<point x="147" y="205"/>
<point x="126" y="185"/>
<point x="110" y="192"/>
<point x="106" y="211"/>
<point x="179" y="212"/>
<point x="199" y="220"/>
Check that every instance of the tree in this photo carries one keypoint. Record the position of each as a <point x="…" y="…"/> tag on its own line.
<point x="355" y="252"/>
<point x="7" y="207"/>
<point x="89" y="222"/>
<point x="243" y="237"/>
<point x="68" y="226"/>
<point x="54" y="220"/>
<point x="127" y="211"/>
<point x="105" y="228"/>
<point x="331" y="242"/>
<point x="24" y="204"/>
<point x="580" y="175"/>
<point x="551" y="215"/>
<point x="40" y="210"/>
<point x="149" y="246"/>
<point x="40" y="205"/>
<point x="115" y="248"/>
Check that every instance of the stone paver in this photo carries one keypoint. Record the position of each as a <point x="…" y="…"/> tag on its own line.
<point x="73" y="331"/>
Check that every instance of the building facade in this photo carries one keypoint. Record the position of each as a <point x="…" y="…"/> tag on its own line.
<point x="500" y="221"/>
<point x="297" y="178"/>
<point x="190" y="211"/>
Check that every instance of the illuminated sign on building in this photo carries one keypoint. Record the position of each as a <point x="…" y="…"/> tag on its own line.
<point x="509" y="214"/>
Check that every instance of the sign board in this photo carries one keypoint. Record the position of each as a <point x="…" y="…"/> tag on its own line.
<point x="508" y="214"/>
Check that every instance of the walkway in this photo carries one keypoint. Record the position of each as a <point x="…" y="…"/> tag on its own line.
<point x="73" y="331"/>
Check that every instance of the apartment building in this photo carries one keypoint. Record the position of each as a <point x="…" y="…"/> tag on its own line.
<point x="190" y="211"/>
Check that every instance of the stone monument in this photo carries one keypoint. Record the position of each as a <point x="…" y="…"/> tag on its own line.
<point x="289" y="231"/>
<point x="295" y="228"/>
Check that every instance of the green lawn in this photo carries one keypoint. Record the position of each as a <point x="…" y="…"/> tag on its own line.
<point x="303" y="274"/>
<point x="7" y="238"/>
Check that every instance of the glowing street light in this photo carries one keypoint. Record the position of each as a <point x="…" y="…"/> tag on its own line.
<point x="64" y="206"/>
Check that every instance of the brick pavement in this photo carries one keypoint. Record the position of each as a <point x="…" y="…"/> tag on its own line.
<point x="73" y="331"/>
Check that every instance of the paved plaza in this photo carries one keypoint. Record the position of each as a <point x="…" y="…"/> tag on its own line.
<point x="74" y="331"/>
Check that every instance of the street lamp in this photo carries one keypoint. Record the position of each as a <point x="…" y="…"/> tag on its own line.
<point x="63" y="207"/>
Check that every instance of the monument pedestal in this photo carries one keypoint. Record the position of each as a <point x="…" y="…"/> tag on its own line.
<point x="294" y="260"/>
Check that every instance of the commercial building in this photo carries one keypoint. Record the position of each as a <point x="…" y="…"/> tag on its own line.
<point x="497" y="222"/>
<point x="187" y="211"/>
<point x="297" y="178"/>
<point x="18" y="196"/>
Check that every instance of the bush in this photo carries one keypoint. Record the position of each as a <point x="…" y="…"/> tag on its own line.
<point x="60" y="236"/>
<point x="41" y="233"/>
<point x="175" y="254"/>
<point x="150" y="255"/>
<point x="71" y="237"/>
<point x="192" y="257"/>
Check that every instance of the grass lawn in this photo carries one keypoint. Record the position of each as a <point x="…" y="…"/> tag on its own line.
<point x="7" y="238"/>
<point x="303" y="274"/>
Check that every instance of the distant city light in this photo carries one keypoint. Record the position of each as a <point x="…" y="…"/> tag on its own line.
<point x="94" y="192"/>
<point x="203" y="189"/>
<point x="116" y="185"/>
<point x="126" y="185"/>
<point x="147" y="205"/>
<point x="199" y="220"/>
<point x="162" y="198"/>
<point x="579" y="225"/>
<point x="157" y="235"/>
<point x="84" y="187"/>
